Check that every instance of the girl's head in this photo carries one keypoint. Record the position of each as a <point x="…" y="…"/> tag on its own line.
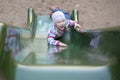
<point x="59" y="20"/>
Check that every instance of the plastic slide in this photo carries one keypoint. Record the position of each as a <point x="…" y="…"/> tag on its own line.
<point x="26" y="55"/>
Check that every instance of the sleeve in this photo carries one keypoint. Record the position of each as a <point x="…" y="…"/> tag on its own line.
<point x="51" y="39"/>
<point x="71" y="22"/>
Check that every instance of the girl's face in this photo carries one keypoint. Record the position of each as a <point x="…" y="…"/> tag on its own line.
<point x="60" y="24"/>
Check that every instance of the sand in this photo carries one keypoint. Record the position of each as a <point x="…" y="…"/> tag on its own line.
<point x="92" y="13"/>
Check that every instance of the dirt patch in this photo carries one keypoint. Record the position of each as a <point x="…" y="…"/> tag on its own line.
<point x="92" y="13"/>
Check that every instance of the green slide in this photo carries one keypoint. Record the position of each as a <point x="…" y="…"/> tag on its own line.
<point x="26" y="55"/>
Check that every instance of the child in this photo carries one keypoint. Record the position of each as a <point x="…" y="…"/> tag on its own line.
<point x="58" y="28"/>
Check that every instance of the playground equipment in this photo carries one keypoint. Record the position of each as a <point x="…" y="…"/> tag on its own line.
<point x="25" y="54"/>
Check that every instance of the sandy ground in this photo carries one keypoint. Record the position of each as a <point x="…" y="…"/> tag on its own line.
<point x="92" y="13"/>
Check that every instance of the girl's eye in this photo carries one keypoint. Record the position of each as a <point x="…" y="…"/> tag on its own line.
<point x="59" y="22"/>
<point x="63" y="20"/>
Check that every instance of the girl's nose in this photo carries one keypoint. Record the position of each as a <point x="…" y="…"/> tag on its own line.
<point x="62" y="24"/>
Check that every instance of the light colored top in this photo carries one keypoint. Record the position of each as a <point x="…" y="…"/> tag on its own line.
<point x="54" y="33"/>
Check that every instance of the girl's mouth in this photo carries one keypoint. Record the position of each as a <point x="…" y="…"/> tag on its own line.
<point x="62" y="28"/>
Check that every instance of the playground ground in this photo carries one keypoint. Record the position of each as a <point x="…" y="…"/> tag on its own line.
<point x="92" y="13"/>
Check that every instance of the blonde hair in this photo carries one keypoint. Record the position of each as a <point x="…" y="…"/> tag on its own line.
<point x="57" y="15"/>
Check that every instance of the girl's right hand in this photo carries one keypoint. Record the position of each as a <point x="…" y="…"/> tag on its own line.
<point x="62" y="44"/>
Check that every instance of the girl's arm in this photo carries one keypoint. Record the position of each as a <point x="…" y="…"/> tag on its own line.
<point x="75" y="24"/>
<point x="71" y="22"/>
<point x="52" y="41"/>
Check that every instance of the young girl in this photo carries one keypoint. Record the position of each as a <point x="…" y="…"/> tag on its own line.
<point x="58" y="28"/>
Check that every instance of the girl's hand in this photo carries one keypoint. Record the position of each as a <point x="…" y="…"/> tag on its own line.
<point x="78" y="27"/>
<point x="60" y="48"/>
<point x="62" y="44"/>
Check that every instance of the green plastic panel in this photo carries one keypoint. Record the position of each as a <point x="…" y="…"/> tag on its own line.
<point x="90" y="55"/>
<point x="2" y="36"/>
